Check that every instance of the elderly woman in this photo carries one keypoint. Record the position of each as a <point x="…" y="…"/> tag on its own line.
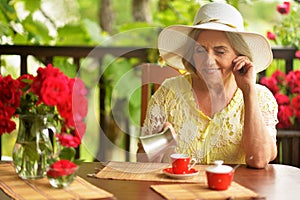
<point x="216" y="109"/>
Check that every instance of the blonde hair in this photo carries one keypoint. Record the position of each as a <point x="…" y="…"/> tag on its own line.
<point x="238" y="44"/>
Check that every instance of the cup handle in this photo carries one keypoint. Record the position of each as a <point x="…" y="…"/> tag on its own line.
<point x="193" y="162"/>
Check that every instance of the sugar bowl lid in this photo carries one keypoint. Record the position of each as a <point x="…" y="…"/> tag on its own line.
<point x="219" y="168"/>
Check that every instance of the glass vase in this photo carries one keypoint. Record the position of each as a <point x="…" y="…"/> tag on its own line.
<point x="33" y="147"/>
<point x="61" y="178"/>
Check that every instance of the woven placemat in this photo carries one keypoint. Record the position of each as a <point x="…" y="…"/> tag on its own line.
<point x="145" y="172"/>
<point x="40" y="189"/>
<point x="201" y="191"/>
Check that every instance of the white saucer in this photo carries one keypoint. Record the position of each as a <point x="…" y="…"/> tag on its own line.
<point x="169" y="172"/>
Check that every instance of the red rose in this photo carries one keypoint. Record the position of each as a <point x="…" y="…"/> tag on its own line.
<point x="10" y="92"/>
<point x="271" y="35"/>
<point x="42" y="74"/>
<point x="79" y="101"/>
<point x="297" y="54"/>
<point x="284" y="8"/>
<point x="279" y="76"/>
<point x="293" y="81"/>
<point x="77" y="87"/>
<point x="80" y="106"/>
<point x="68" y="140"/>
<point x="270" y="83"/>
<point x="6" y="111"/>
<point x="6" y="125"/>
<point x="54" y="91"/>
<point x="61" y="168"/>
<point x="48" y="71"/>
<point x="284" y="115"/>
<point x="25" y="80"/>
<point x="296" y="106"/>
<point x="75" y="110"/>
<point x="80" y="128"/>
<point x="282" y="99"/>
<point x="65" y="110"/>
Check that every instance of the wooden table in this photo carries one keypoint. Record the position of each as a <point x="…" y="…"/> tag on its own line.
<point x="274" y="182"/>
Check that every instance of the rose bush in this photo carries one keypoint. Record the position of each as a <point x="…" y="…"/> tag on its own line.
<point x="286" y="89"/>
<point x="50" y="93"/>
<point x="286" y="31"/>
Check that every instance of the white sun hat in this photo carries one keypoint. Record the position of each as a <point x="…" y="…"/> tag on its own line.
<point x="173" y="40"/>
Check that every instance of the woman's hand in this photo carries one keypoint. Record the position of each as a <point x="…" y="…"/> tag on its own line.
<point x="170" y="126"/>
<point x="244" y="72"/>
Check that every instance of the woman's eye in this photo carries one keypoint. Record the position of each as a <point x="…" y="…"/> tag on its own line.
<point x="199" y="49"/>
<point x="220" y="52"/>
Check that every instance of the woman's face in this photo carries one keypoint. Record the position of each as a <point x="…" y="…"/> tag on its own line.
<point x="213" y="56"/>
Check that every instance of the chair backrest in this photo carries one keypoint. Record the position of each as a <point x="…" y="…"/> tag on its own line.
<point x="152" y="77"/>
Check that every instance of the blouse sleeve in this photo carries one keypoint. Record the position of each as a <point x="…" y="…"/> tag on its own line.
<point x="269" y="108"/>
<point x="156" y="115"/>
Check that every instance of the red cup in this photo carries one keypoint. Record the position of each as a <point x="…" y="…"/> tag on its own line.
<point x="182" y="163"/>
<point x="219" y="177"/>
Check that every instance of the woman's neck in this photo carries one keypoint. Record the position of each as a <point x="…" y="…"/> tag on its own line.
<point x="213" y="100"/>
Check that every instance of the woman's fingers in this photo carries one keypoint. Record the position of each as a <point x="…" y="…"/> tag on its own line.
<point x="170" y="126"/>
<point x="241" y="64"/>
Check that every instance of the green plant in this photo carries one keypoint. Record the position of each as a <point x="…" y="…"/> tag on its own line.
<point x="286" y="31"/>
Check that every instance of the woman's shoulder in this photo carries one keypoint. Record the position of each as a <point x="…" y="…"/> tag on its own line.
<point x="178" y="82"/>
<point x="261" y="89"/>
<point x="179" y="78"/>
<point x="264" y="94"/>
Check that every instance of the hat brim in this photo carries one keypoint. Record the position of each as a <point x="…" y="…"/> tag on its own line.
<point x="173" y="40"/>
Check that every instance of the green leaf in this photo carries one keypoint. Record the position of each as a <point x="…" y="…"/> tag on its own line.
<point x="4" y="29"/>
<point x="93" y="31"/>
<point x="141" y="33"/>
<point x="72" y="35"/>
<point x="31" y="150"/>
<point x="67" y="67"/>
<point x="37" y="30"/>
<point x="32" y="5"/>
<point x="67" y="153"/>
<point x="20" y="39"/>
<point x="8" y="11"/>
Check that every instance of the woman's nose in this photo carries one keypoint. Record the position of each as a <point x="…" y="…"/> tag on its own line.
<point x="210" y="58"/>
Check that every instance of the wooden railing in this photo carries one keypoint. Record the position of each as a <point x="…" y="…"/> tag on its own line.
<point x="288" y="141"/>
<point x="46" y="54"/>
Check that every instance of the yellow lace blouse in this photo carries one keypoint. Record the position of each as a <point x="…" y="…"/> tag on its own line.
<point x="204" y="138"/>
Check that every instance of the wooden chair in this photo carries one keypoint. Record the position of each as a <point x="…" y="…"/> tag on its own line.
<point x="152" y="77"/>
